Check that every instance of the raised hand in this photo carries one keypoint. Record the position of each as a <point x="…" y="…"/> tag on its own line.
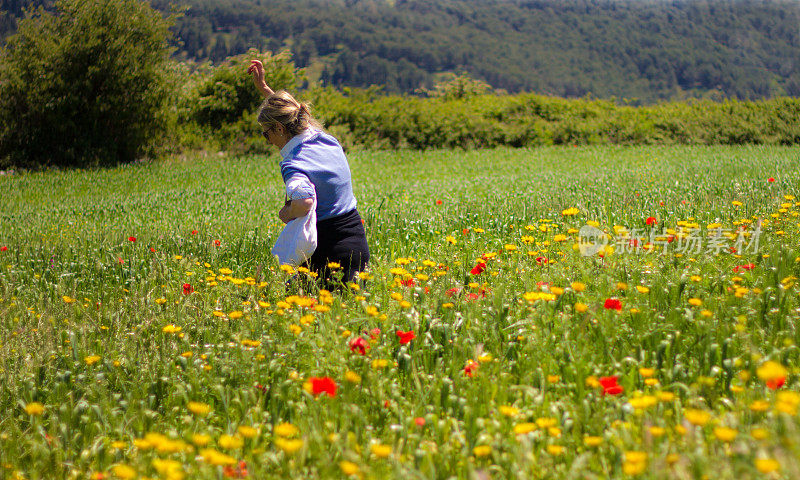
<point x="256" y="69"/>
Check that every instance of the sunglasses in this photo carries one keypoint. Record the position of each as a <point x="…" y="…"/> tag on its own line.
<point x="265" y="133"/>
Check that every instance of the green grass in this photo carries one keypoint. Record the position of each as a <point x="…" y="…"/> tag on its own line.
<point x="83" y="312"/>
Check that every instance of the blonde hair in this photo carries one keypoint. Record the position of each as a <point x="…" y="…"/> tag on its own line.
<point x="282" y="108"/>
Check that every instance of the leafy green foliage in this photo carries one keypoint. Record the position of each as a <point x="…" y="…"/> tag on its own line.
<point x="362" y="117"/>
<point x="85" y="86"/>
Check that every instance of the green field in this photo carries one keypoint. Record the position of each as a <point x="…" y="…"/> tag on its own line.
<point x="112" y="367"/>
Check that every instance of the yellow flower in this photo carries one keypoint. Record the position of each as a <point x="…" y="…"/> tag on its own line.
<point x="235" y="315"/>
<point x="645" y="401"/>
<point x="68" y="299"/>
<point x="553" y="378"/>
<point x="482" y="451"/>
<point x="379" y="363"/>
<point x="246" y="431"/>
<point x="767" y="465"/>
<point x="760" y="433"/>
<point x="695" y="302"/>
<point x="695" y="278"/>
<point x="216" y="458"/>
<point x="161" y="301"/>
<point x="289" y="446"/>
<point x="508" y="411"/>
<point x="657" y="431"/>
<point x="592" y="441"/>
<point x="647" y="372"/>
<point x="286" y="430"/>
<point x="169" y="469"/>
<point x="124" y="472"/>
<point x="666" y="396"/>
<point x="770" y="371"/>
<point x="171" y="329"/>
<point x="352" y="377"/>
<point x="380" y="450"/>
<point x="34" y="409"/>
<point x="697" y="417"/>
<point x="642" y="289"/>
<point x="349" y="468"/>
<point x="759" y="406"/>
<point x="578" y="286"/>
<point x="230" y="442"/>
<point x="634" y="463"/>
<point x="546" y="422"/>
<point x="725" y="434"/>
<point x="622" y="286"/>
<point x="91" y="359"/>
<point x="200" y="439"/>
<point x="555" y="450"/>
<point x="523" y="428"/>
<point x="198" y="408"/>
<point x="581" y="307"/>
<point x="570" y="212"/>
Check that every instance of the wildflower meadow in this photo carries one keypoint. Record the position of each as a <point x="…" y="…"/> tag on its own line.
<point x="560" y="312"/>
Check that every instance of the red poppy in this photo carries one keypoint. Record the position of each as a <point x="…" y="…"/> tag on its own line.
<point x="541" y="260"/>
<point x="240" y="471"/>
<point x="374" y="333"/>
<point x="651" y="221"/>
<point x="733" y="250"/>
<point x="479" y="268"/>
<point x="120" y="260"/>
<point x="613" y="304"/>
<point x="217" y="243"/>
<point x="194" y="232"/>
<point x="473" y="296"/>
<point x="610" y="385"/>
<point x="358" y="345"/>
<point x="408" y="283"/>
<point x="771" y="180"/>
<point x="131" y="239"/>
<point x="419" y="421"/>
<point x="469" y="369"/>
<point x="671" y="239"/>
<point x="746" y="266"/>
<point x="633" y="242"/>
<point x="263" y="388"/>
<point x="322" y="385"/>
<point x="543" y="285"/>
<point x="451" y="292"/>
<point x="465" y="231"/>
<point x="153" y="250"/>
<point x="406" y="337"/>
<point x="187" y="288"/>
<point x="3" y="249"/>
<point x="776" y="383"/>
<point x="661" y="203"/>
<point x="438" y="202"/>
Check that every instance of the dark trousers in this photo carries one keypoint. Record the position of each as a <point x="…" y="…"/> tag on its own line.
<point x="343" y="240"/>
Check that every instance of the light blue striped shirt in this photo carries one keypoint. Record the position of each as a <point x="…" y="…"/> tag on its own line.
<point x="318" y="156"/>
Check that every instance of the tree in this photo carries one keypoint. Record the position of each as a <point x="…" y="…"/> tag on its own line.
<point x="84" y="86"/>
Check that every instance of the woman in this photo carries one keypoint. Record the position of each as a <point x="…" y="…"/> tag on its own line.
<point x="318" y="158"/>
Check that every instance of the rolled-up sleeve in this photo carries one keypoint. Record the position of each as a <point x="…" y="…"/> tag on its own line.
<point x="299" y="187"/>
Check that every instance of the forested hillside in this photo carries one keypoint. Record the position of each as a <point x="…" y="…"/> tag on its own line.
<point x="648" y="51"/>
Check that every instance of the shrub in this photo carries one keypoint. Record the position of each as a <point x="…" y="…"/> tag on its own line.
<point x="84" y="86"/>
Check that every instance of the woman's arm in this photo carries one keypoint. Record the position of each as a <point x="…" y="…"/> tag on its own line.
<point x="257" y="70"/>
<point x="295" y="209"/>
